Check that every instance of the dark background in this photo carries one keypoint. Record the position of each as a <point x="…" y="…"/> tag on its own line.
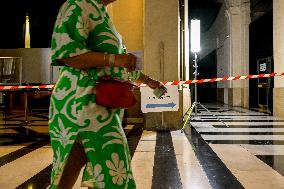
<point x="261" y="46"/>
<point x="42" y="15"/>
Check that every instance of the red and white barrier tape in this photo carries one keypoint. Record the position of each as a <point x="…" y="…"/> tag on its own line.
<point x="16" y="87"/>
<point x="223" y="79"/>
<point x="4" y="88"/>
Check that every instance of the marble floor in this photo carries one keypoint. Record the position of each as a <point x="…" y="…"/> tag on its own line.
<point x="248" y="147"/>
<point x="245" y="150"/>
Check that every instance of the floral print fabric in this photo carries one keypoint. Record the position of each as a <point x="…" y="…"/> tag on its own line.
<point x="83" y="26"/>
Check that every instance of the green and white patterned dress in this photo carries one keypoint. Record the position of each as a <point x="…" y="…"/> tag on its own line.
<point x="83" y="26"/>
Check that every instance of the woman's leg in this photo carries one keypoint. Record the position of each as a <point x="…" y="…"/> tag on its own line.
<point x="63" y="130"/>
<point x="76" y="160"/>
<point x="108" y="154"/>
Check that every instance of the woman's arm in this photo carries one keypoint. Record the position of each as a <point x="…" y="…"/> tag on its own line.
<point x="100" y="59"/>
<point x="149" y="81"/>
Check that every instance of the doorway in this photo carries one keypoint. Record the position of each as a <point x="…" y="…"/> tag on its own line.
<point x="261" y="61"/>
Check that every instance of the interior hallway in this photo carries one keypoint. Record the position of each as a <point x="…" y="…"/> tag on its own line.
<point x="245" y="152"/>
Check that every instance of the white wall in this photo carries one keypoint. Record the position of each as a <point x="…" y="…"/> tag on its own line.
<point x="35" y="64"/>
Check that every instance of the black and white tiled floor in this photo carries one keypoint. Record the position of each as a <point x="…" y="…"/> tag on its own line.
<point x="245" y="152"/>
<point x="250" y="144"/>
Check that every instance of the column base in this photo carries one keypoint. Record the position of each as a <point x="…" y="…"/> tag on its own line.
<point x="239" y="97"/>
<point x="220" y="95"/>
<point x="278" y="102"/>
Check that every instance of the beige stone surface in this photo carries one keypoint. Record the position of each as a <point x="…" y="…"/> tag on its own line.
<point x="278" y="51"/>
<point x="4" y="150"/>
<point x="29" y="165"/>
<point x="143" y="160"/>
<point x="128" y="19"/>
<point x="153" y="121"/>
<point x="191" y="172"/>
<point x="235" y="96"/>
<point x="278" y="41"/>
<point x="161" y="28"/>
<point x="239" y="97"/>
<point x="247" y="168"/>
<point x="278" y="102"/>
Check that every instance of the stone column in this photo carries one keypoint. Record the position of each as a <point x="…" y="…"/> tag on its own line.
<point x="161" y="54"/>
<point x="161" y="39"/>
<point x="278" y="51"/>
<point x="239" y="18"/>
<point x="246" y="20"/>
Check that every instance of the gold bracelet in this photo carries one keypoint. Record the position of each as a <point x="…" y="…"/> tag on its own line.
<point x="105" y="58"/>
<point x="111" y="59"/>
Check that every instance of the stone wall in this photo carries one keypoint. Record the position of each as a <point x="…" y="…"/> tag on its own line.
<point x="278" y="45"/>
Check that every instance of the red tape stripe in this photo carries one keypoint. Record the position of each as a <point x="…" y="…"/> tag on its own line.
<point x="164" y="83"/>
<point x="175" y="82"/>
<point x="261" y="75"/>
<point x="237" y="77"/>
<point x="200" y="81"/>
<point x="188" y="82"/>
<point x="7" y="87"/>
<point x="14" y="87"/>
<point x="213" y="80"/>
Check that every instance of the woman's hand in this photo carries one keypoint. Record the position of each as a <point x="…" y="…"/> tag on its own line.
<point x="126" y="60"/>
<point x="153" y="84"/>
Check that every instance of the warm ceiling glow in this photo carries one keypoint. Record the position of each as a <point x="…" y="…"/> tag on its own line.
<point x="27" y="33"/>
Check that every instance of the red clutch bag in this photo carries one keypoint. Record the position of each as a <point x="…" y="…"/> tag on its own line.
<point x="114" y="93"/>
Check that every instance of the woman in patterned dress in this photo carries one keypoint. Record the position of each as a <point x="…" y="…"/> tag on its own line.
<point x="87" y="46"/>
